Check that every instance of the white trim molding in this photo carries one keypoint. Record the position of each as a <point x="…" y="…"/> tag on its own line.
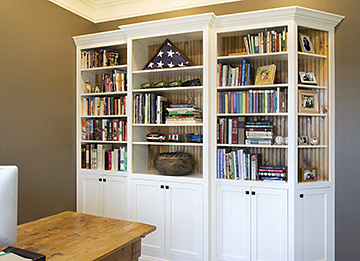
<point x="98" y="11"/>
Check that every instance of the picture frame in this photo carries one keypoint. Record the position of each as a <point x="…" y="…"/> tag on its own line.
<point x="303" y="140"/>
<point x="308" y="174"/>
<point x="265" y="74"/>
<point x="306" y="43"/>
<point x="307" y="78"/>
<point x="308" y="101"/>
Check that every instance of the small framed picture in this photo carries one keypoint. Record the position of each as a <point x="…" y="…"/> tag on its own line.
<point x="265" y="74"/>
<point x="303" y="140"/>
<point x="305" y="43"/>
<point x="308" y="174"/>
<point x="307" y="78"/>
<point x="308" y="101"/>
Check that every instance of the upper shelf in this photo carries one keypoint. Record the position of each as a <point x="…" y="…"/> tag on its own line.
<point x="106" y="69"/>
<point x="276" y="56"/>
<point x="311" y="55"/>
<point x="178" y="71"/>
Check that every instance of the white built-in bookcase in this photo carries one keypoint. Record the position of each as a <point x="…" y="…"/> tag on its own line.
<point x="200" y="216"/>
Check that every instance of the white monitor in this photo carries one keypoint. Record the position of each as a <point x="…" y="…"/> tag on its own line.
<point x="8" y="206"/>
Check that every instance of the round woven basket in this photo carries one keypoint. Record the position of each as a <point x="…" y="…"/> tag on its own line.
<point x="174" y="163"/>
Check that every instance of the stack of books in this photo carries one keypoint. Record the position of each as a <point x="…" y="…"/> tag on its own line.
<point x="259" y="132"/>
<point x="183" y="114"/>
<point x="272" y="173"/>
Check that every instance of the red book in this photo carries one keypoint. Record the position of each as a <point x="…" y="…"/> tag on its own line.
<point x="235" y="127"/>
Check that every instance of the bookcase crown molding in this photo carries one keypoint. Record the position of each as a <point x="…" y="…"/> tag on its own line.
<point x="169" y="26"/>
<point x="99" y="39"/>
<point x="296" y="13"/>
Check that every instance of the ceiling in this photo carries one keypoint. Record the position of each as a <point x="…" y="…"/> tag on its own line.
<point x="98" y="11"/>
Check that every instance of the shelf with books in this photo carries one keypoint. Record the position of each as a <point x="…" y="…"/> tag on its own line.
<point x="252" y="146"/>
<point x="103" y="116"/>
<point x="166" y="90"/>
<point x="275" y="57"/>
<point x="248" y="87"/>
<point x="102" y="69"/>
<point x="167" y="143"/>
<point x="252" y="114"/>
<point x="102" y="94"/>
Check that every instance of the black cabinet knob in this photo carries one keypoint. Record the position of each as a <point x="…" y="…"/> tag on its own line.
<point x="162" y="186"/>
<point x="301" y="195"/>
<point x="104" y="180"/>
<point x="253" y="193"/>
<point x="100" y="179"/>
<point x="247" y="192"/>
<point x="167" y="187"/>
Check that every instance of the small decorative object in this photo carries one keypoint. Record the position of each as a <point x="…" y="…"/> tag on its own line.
<point x="265" y="74"/>
<point x="176" y="137"/>
<point x="88" y="87"/>
<point x="161" y="84"/>
<point x="155" y="137"/>
<point x="97" y="89"/>
<point x="305" y="43"/>
<point x="168" y="56"/>
<point x="308" y="174"/>
<point x="307" y="78"/>
<point x="175" y="83"/>
<point x="146" y="85"/>
<point x="314" y="141"/>
<point x="195" y="137"/>
<point x="279" y="140"/>
<point x="286" y="141"/>
<point x="308" y="101"/>
<point x="193" y="82"/>
<point x="174" y="163"/>
<point x="303" y="140"/>
<point x="323" y="110"/>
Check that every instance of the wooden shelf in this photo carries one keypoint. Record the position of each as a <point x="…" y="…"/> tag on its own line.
<point x="251" y="114"/>
<point x="168" y="143"/>
<point x="181" y="89"/>
<point x="104" y="142"/>
<point x="247" y="87"/>
<point x="104" y="94"/>
<point x="277" y="56"/>
<point x="178" y="70"/>
<point x="253" y="146"/>
<point x="106" y="68"/>
<point x="104" y="116"/>
<point x="311" y="55"/>
<point x="308" y="86"/>
<point x="167" y="125"/>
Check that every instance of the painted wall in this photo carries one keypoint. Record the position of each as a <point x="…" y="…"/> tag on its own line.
<point x="37" y="102"/>
<point x="347" y="104"/>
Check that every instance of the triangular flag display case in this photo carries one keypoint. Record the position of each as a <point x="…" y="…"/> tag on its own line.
<point x="258" y="141"/>
<point x="168" y="56"/>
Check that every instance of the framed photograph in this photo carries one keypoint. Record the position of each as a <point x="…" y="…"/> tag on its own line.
<point x="305" y="43"/>
<point x="265" y="74"/>
<point x="307" y="78"/>
<point x="308" y="101"/>
<point x="308" y="174"/>
<point x="303" y="140"/>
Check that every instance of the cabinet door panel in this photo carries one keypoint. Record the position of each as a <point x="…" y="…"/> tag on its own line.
<point x="269" y="224"/>
<point x="148" y="206"/>
<point x="184" y="217"/>
<point x="115" y="197"/>
<point x="232" y="223"/>
<point x="314" y="224"/>
<point x="90" y="195"/>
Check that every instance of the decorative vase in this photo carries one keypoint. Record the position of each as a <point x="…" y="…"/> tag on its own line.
<point x="174" y="163"/>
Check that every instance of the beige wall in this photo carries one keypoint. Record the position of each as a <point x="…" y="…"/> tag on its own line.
<point x="37" y="104"/>
<point x="37" y="108"/>
<point x="347" y="105"/>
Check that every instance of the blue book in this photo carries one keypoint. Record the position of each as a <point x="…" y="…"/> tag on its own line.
<point x="243" y="71"/>
<point x="250" y="101"/>
<point x="248" y="72"/>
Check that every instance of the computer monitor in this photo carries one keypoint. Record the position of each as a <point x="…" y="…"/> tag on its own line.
<point x="8" y="205"/>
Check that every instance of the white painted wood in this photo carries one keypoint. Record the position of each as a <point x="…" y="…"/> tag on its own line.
<point x="115" y="197"/>
<point x="91" y="195"/>
<point x="184" y="220"/>
<point x="315" y="225"/>
<point x="269" y="224"/>
<point x="148" y="206"/>
<point x="232" y="223"/>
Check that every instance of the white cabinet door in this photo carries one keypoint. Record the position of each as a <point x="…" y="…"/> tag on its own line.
<point x="148" y="206"/>
<point x="314" y="224"/>
<point x="232" y="223"/>
<point x="269" y="224"/>
<point x="115" y="197"/>
<point x="184" y="220"/>
<point x="90" y="194"/>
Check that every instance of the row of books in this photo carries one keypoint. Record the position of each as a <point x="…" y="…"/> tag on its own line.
<point x="101" y="106"/>
<point x="269" y="41"/>
<point x="241" y="165"/>
<point x="103" y="129"/>
<point x="231" y="130"/>
<point x="150" y="108"/>
<point x="253" y="101"/>
<point x="259" y="132"/>
<point x="237" y="164"/>
<point x="113" y="82"/>
<point x="235" y="75"/>
<point x="183" y="114"/>
<point x="99" y="58"/>
<point x="103" y="157"/>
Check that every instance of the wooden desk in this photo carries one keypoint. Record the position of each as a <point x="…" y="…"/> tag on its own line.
<point x="77" y="236"/>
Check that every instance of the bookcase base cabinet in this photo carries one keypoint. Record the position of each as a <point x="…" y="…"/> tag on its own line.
<point x="102" y="195"/>
<point x="176" y="209"/>
<point x="314" y="225"/>
<point x="256" y="218"/>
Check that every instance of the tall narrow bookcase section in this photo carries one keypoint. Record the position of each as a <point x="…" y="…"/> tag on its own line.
<point x="275" y="134"/>
<point x="102" y="123"/>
